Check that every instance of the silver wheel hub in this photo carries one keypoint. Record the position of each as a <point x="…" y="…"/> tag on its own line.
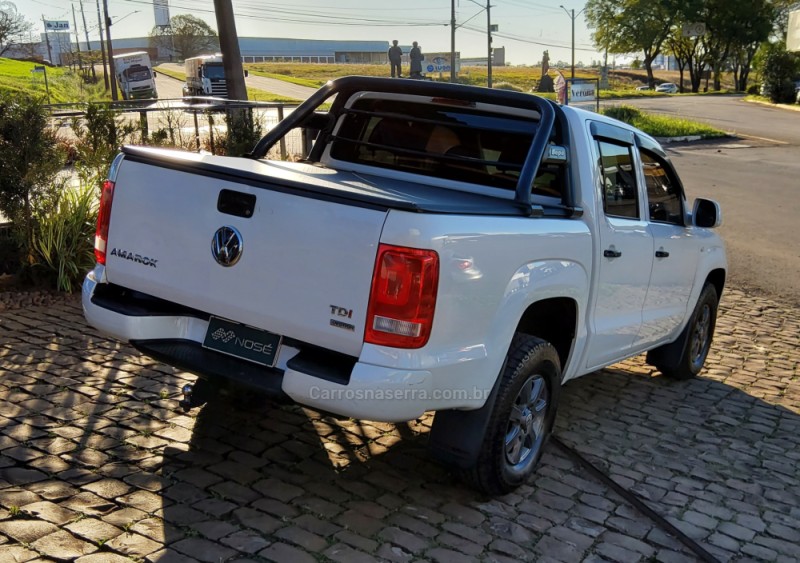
<point x="526" y="422"/>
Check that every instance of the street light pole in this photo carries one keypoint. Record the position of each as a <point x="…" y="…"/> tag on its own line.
<point x="572" y="15"/>
<point x="452" y="40"/>
<point x="489" y="41"/>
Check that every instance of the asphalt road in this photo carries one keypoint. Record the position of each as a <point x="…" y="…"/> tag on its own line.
<point x="755" y="178"/>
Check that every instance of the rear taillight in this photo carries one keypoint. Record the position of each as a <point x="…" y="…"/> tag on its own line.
<point x="103" y="220"/>
<point x="403" y="297"/>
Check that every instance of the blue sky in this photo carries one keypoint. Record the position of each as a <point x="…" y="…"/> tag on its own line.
<point x="526" y="28"/>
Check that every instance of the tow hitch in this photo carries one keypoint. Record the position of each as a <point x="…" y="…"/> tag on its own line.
<point x="194" y="395"/>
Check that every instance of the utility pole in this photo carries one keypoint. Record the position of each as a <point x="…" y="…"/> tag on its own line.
<point x="112" y="73"/>
<point x="231" y="55"/>
<point x="47" y="40"/>
<point x="102" y="48"/>
<point x="77" y="37"/>
<point x="88" y="45"/>
<point x="452" y="40"/>
<point x="489" y="41"/>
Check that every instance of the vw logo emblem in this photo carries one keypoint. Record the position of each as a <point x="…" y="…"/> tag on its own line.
<point x="226" y="246"/>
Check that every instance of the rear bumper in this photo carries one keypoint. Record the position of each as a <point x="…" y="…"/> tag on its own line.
<point x="316" y="378"/>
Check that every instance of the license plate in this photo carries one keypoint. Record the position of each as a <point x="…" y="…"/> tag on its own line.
<point x="245" y="342"/>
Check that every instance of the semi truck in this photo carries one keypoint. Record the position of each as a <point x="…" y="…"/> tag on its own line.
<point x="135" y="76"/>
<point x="205" y="76"/>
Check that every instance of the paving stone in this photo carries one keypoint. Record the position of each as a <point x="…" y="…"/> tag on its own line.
<point x="26" y="531"/>
<point x="408" y="542"/>
<point x="52" y="490"/>
<point x="356" y="540"/>
<point x="281" y="552"/>
<point x="215" y="507"/>
<point x="63" y="545"/>
<point x="441" y="555"/>
<point x="214" y="529"/>
<point x="17" y="497"/>
<point x="21" y="476"/>
<point x="277" y="489"/>
<point x="93" y="530"/>
<point x="315" y="525"/>
<point x="89" y="503"/>
<point x="142" y="500"/>
<point x="17" y="554"/>
<point x="245" y="541"/>
<point x="157" y="530"/>
<point x="133" y="545"/>
<point x="258" y="521"/>
<point x="342" y="553"/>
<point x="394" y="553"/>
<point x="104" y="557"/>
<point x="301" y="538"/>
<point x="203" y="550"/>
<point x="49" y="512"/>
<point x="124" y="517"/>
<point x="107" y="488"/>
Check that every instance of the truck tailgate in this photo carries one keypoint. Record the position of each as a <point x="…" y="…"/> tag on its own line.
<point x="305" y="266"/>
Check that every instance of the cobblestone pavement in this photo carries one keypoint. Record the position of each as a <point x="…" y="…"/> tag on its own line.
<point x="98" y="465"/>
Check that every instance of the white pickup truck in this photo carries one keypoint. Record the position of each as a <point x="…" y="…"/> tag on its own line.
<point x="440" y="248"/>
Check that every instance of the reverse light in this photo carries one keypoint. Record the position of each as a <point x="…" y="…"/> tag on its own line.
<point x="403" y="297"/>
<point x="103" y="220"/>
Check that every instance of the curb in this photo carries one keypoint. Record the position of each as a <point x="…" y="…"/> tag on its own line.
<point x="681" y="139"/>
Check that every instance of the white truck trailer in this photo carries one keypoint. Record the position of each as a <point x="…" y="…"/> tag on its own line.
<point x="135" y="76"/>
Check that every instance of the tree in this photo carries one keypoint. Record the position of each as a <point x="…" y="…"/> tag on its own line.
<point x="627" y="26"/>
<point x="734" y="30"/>
<point x="187" y="36"/>
<point x="12" y="26"/>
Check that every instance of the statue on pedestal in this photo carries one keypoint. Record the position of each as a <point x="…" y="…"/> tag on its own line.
<point x="546" y="83"/>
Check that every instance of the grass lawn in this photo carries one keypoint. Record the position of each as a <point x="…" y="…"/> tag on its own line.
<point x="662" y="125"/>
<point x="65" y="86"/>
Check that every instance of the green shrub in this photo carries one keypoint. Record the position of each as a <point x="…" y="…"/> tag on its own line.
<point x="507" y="86"/>
<point x="29" y="161"/>
<point x="64" y="237"/>
<point x="627" y="114"/>
<point x="100" y="134"/>
<point x="244" y="130"/>
<point x="779" y="68"/>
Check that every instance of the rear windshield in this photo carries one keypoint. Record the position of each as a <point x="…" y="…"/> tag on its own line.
<point x="444" y="138"/>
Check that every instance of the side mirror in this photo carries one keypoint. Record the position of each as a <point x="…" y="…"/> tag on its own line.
<point x="246" y="74"/>
<point x="706" y="213"/>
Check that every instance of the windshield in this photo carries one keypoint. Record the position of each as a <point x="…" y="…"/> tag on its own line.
<point x="213" y="71"/>
<point x="137" y="73"/>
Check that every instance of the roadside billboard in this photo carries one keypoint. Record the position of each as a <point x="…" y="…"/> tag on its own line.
<point x="793" y="36"/>
<point x="439" y="62"/>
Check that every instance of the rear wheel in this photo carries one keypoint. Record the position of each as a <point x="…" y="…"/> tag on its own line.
<point x="522" y="417"/>
<point x="684" y="358"/>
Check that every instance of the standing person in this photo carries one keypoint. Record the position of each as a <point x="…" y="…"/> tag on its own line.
<point x="416" y="58"/>
<point x="395" y="59"/>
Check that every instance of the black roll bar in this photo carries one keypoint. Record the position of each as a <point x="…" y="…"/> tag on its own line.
<point x="344" y="87"/>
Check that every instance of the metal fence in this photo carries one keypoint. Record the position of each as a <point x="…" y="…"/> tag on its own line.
<point x="192" y="123"/>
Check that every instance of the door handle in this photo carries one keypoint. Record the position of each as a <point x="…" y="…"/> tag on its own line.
<point x="662" y="254"/>
<point x="612" y="253"/>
